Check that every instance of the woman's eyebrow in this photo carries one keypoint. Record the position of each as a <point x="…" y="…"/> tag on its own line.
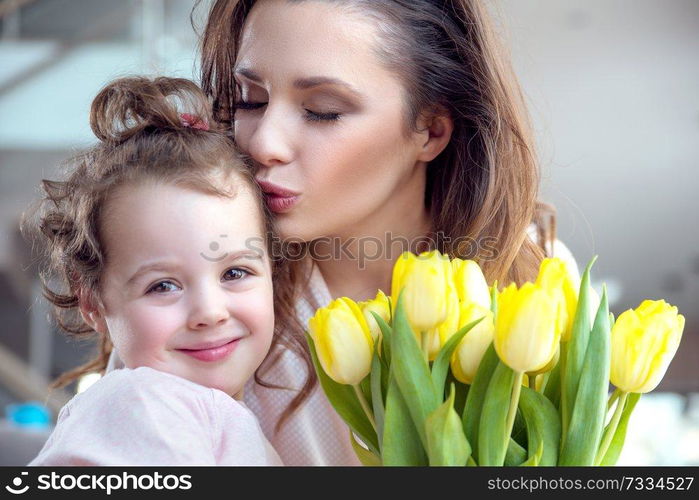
<point x="304" y="83"/>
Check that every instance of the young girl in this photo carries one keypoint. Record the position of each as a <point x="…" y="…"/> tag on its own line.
<point x="161" y="242"/>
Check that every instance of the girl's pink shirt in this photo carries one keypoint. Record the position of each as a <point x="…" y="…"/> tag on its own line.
<point x="147" y="417"/>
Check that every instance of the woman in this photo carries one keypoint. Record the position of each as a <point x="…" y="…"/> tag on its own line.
<point x="371" y="121"/>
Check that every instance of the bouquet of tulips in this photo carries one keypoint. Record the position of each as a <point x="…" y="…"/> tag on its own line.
<point x="450" y="371"/>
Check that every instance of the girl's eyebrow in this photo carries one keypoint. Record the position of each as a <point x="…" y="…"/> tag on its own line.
<point x="165" y="265"/>
<point x="305" y="83"/>
<point x="158" y="265"/>
<point x="241" y="254"/>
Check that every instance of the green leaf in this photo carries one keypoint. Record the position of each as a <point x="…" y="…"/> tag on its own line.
<point x="440" y="366"/>
<point x="344" y="400"/>
<point x="516" y="454"/>
<point x="582" y="440"/>
<point x="446" y="443"/>
<point x="617" y="444"/>
<point x="377" y="397"/>
<point x="365" y="456"/>
<point x="476" y="396"/>
<point x="385" y="337"/>
<point x="535" y="458"/>
<point x="543" y="426"/>
<point x="577" y="346"/>
<point x="519" y="429"/>
<point x="385" y="355"/>
<point x="365" y="387"/>
<point x="492" y="434"/>
<point x="401" y="441"/>
<point x="461" y="393"/>
<point x="412" y="372"/>
<point x="552" y="391"/>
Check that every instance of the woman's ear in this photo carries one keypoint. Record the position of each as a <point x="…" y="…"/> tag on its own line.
<point x="436" y="130"/>
<point x="92" y="312"/>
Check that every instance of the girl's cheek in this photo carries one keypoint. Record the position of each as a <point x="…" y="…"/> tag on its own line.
<point x="153" y="327"/>
<point x="257" y="311"/>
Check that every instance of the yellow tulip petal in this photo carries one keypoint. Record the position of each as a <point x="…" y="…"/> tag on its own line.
<point x="525" y="334"/>
<point x="644" y="342"/>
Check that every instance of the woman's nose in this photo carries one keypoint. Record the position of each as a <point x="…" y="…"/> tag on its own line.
<point x="209" y="307"/>
<point x="269" y="144"/>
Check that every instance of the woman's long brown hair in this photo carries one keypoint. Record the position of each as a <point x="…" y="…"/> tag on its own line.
<point x="484" y="185"/>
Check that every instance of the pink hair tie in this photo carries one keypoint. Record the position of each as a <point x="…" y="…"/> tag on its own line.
<point x="193" y="121"/>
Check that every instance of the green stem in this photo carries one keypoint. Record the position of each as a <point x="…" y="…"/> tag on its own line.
<point x="612" y="398"/>
<point x="544" y="381"/>
<point x="365" y="405"/>
<point x="611" y="429"/>
<point x="564" y="396"/>
<point x="514" y="401"/>
<point x="425" y="340"/>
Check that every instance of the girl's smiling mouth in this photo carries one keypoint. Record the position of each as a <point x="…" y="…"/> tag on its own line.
<point x="210" y="352"/>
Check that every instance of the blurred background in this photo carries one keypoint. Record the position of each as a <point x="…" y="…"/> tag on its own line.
<point x="613" y="90"/>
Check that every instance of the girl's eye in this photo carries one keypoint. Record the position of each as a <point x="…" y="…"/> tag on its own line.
<point x="312" y="116"/>
<point x="162" y="287"/>
<point x="235" y="274"/>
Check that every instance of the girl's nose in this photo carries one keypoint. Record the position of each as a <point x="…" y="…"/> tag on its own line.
<point x="208" y="308"/>
<point x="269" y="145"/>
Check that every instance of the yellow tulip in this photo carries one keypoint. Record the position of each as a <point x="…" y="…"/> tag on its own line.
<point x="555" y="276"/>
<point x="550" y="365"/>
<point x="343" y="341"/>
<point x="526" y="335"/>
<point x="437" y="337"/>
<point x="428" y="287"/>
<point x="470" y="282"/>
<point x="381" y="306"/>
<point x="469" y="353"/>
<point x="644" y="341"/>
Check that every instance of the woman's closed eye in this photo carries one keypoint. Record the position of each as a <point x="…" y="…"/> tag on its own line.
<point x="248" y="105"/>
<point x="311" y="116"/>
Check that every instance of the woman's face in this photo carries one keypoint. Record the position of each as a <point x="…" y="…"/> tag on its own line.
<point x="324" y="120"/>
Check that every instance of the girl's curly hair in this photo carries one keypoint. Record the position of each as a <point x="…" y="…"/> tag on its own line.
<point x="145" y="136"/>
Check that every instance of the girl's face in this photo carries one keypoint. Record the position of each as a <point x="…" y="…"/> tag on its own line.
<point x="187" y="283"/>
<point x="324" y="120"/>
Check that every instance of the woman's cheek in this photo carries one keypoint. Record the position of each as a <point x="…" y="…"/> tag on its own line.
<point x="242" y="128"/>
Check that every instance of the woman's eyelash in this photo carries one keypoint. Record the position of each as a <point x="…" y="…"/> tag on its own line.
<point x="311" y="116"/>
<point x="249" y="105"/>
<point x="322" y="117"/>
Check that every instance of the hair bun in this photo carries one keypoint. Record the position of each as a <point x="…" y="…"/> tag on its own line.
<point x="129" y="106"/>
